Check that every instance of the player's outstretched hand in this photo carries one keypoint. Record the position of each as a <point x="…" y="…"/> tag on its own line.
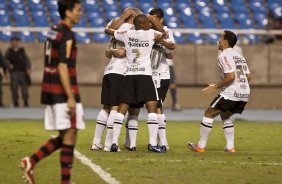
<point x="210" y="89"/>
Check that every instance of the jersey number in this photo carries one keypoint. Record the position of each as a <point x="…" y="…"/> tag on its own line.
<point x="240" y="72"/>
<point x="137" y="52"/>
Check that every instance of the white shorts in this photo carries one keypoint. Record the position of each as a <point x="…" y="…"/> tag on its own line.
<point x="57" y="118"/>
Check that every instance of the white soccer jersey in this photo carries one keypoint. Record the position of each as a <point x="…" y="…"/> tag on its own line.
<point x="231" y="61"/>
<point x="117" y="65"/>
<point x="138" y="45"/>
<point x="164" y="66"/>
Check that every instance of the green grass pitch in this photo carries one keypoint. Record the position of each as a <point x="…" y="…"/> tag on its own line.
<point x="258" y="158"/>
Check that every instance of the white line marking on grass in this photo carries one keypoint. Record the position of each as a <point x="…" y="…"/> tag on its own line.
<point x="224" y="162"/>
<point x="254" y="163"/>
<point x="96" y="168"/>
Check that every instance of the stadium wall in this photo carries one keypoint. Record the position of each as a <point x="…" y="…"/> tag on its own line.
<point x="195" y="66"/>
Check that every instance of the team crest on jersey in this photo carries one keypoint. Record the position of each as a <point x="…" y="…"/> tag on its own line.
<point x="52" y="35"/>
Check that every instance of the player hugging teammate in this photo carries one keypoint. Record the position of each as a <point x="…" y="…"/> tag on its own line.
<point x="145" y="50"/>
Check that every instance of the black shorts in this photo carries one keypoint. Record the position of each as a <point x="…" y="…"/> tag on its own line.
<point x="137" y="89"/>
<point x="162" y="90"/>
<point x="228" y="105"/>
<point x="172" y="75"/>
<point x="139" y="105"/>
<point x="111" y="88"/>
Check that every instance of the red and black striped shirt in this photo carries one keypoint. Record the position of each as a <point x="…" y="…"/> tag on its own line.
<point x="55" y="49"/>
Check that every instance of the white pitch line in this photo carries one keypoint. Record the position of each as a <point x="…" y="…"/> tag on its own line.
<point x="224" y="162"/>
<point x="253" y="163"/>
<point x="96" y="168"/>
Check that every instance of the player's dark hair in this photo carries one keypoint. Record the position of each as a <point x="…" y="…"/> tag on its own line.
<point x="158" y="12"/>
<point x="15" y="38"/>
<point x="139" y="19"/>
<point x="230" y="37"/>
<point x="64" y="5"/>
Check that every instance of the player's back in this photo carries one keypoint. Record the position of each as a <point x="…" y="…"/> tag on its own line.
<point x="140" y="41"/>
<point x="117" y="65"/>
<point x="59" y="38"/>
<point x="138" y="45"/>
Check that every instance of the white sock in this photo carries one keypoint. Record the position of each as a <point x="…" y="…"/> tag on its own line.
<point x="101" y="123"/>
<point x="162" y="130"/>
<point x="117" y="127"/>
<point x="229" y="133"/>
<point x="132" y="129"/>
<point x="110" y="125"/>
<point x="206" y="127"/>
<point x="152" y="124"/>
<point x="127" y="139"/>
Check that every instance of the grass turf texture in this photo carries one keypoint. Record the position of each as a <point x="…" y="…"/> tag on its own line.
<point x="258" y="158"/>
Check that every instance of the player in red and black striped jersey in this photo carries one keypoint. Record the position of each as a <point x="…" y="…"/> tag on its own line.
<point x="60" y="93"/>
<point x="59" y="39"/>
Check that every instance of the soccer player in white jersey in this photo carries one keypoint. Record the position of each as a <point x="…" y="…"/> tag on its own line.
<point x="131" y="122"/>
<point x="234" y="95"/>
<point x="113" y="76"/>
<point x="138" y="86"/>
<point x="161" y="78"/>
<point x="161" y="75"/>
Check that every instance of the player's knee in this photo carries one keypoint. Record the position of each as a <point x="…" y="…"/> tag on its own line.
<point x="122" y="108"/>
<point x="211" y="113"/>
<point x="152" y="106"/>
<point x="134" y="111"/>
<point x="69" y="136"/>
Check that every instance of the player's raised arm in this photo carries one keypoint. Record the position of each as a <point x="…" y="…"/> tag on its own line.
<point x="157" y="26"/>
<point x="126" y="14"/>
<point x="166" y="43"/>
<point x="109" y="30"/>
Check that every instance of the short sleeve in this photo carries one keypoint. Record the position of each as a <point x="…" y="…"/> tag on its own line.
<point x="170" y="36"/>
<point x="120" y="35"/>
<point x="247" y="70"/>
<point x="67" y="38"/>
<point x="226" y="64"/>
<point x="153" y="32"/>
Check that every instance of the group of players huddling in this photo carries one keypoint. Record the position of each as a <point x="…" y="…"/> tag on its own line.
<point x="137" y="75"/>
